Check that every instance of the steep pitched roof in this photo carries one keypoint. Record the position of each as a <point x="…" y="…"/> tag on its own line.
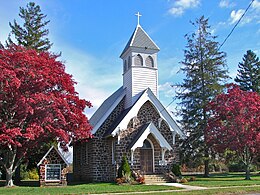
<point x="120" y="118"/>
<point x="140" y="39"/>
<point x="147" y="95"/>
<point x="49" y="152"/>
<point x="143" y="133"/>
<point x="106" y="108"/>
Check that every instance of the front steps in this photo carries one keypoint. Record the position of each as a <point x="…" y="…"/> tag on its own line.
<point x="150" y="179"/>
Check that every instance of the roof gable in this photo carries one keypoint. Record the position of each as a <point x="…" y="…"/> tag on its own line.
<point x="140" y="39"/>
<point x="147" y="95"/>
<point x="47" y="153"/>
<point x="105" y="109"/>
<point x="143" y="133"/>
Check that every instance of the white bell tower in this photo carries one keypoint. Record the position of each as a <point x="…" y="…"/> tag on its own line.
<point x="139" y="65"/>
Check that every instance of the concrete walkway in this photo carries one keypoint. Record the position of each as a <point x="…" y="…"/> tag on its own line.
<point x="178" y="185"/>
<point x="187" y="187"/>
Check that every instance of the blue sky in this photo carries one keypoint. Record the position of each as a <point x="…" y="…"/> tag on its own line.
<point x="92" y="34"/>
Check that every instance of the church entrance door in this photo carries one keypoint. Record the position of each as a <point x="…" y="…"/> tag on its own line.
<point x="146" y="157"/>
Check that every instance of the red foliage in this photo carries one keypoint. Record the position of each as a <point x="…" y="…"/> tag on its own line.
<point x="38" y="101"/>
<point x="235" y="121"/>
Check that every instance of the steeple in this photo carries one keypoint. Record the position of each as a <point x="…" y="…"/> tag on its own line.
<point x="139" y="65"/>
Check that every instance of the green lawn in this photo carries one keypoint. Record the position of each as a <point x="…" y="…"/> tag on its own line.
<point x="223" y="191"/>
<point x="229" y="179"/>
<point x="84" y="189"/>
<point x="218" y="183"/>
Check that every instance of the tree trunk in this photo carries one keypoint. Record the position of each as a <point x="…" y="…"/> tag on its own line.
<point x="9" y="180"/>
<point x="247" y="172"/>
<point x="247" y="163"/>
<point x="206" y="163"/>
<point x="17" y="178"/>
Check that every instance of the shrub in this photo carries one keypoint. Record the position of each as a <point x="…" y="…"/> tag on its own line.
<point x="140" y="180"/>
<point x="176" y="170"/>
<point x="124" y="169"/>
<point x="171" y="177"/>
<point x="192" y="178"/>
<point x="236" y="167"/>
<point x="138" y="177"/>
<point x="119" y="181"/>
<point x="24" y="175"/>
<point x="183" y="180"/>
<point x="33" y="174"/>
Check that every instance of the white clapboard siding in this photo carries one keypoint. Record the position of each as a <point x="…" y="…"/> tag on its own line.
<point x="137" y="79"/>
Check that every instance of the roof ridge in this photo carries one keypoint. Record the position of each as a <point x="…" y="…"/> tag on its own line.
<point x="141" y="39"/>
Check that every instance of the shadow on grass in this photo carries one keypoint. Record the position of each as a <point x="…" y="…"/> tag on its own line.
<point x="223" y="175"/>
<point x="84" y="182"/>
<point x="25" y="183"/>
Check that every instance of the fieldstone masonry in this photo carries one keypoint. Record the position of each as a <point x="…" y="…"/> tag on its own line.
<point x="52" y="158"/>
<point x="98" y="159"/>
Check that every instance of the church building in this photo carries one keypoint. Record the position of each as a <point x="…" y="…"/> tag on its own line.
<point x="131" y="122"/>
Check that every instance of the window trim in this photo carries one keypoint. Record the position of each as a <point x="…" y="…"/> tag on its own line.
<point x="46" y="173"/>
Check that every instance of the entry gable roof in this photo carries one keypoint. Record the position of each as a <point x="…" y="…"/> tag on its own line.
<point x="147" y="95"/>
<point x="143" y="133"/>
<point x="45" y="156"/>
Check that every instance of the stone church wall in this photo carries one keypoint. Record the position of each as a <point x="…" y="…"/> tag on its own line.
<point x="98" y="165"/>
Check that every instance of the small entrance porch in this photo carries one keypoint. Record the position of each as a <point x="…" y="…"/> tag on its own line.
<point x="148" y="150"/>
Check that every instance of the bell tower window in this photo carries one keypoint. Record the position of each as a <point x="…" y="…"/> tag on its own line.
<point x="138" y="60"/>
<point x="149" y="61"/>
<point x="129" y="62"/>
<point x="125" y="66"/>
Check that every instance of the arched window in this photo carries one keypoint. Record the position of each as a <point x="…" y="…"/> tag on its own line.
<point x="147" y="145"/>
<point x="138" y="60"/>
<point x="125" y="66"/>
<point x="149" y="61"/>
<point x="129" y="62"/>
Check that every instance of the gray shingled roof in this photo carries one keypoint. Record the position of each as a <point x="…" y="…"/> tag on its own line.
<point x="140" y="132"/>
<point x="140" y="39"/>
<point x="105" y="106"/>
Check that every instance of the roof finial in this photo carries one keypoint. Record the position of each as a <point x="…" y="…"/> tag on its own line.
<point x="138" y="18"/>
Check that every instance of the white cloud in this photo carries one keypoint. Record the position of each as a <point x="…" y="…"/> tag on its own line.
<point x="167" y="89"/>
<point x="256" y="5"/>
<point x="252" y="15"/>
<point x="180" y="6"/>
<point x="226" y="4"/>
<point x="236" y="15"/>
<point x="177" y="11"/>
<point x="94" y="82"/>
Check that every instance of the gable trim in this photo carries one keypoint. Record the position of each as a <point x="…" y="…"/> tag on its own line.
<point x="151" y="128"/>
<point x="148" y="96"/>
<point x="44" y="157"/>
<point x="107" y="113"/>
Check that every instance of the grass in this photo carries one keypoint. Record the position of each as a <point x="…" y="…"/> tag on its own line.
<point x="232" y="183"/>
<point x="97" y="188"/>
<point x="223" y="191"/>
<point x="228" y="179"/>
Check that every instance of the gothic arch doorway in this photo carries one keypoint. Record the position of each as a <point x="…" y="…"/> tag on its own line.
<point x="147" y="157"/>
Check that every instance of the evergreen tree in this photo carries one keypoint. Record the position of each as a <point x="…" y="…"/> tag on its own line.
<point x="248" y="76"/>
<point x="32" y="34"/>
<point x="204" y="68"/>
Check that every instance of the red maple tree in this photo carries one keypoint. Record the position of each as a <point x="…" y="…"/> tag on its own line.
<point x="235" y="124"/>
<point x="38" y="103"/>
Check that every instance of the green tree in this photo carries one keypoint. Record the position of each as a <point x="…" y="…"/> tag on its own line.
<point x="204" y="68"/>
<point x="248" y="76"/>
<point x="32" y="34"/>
